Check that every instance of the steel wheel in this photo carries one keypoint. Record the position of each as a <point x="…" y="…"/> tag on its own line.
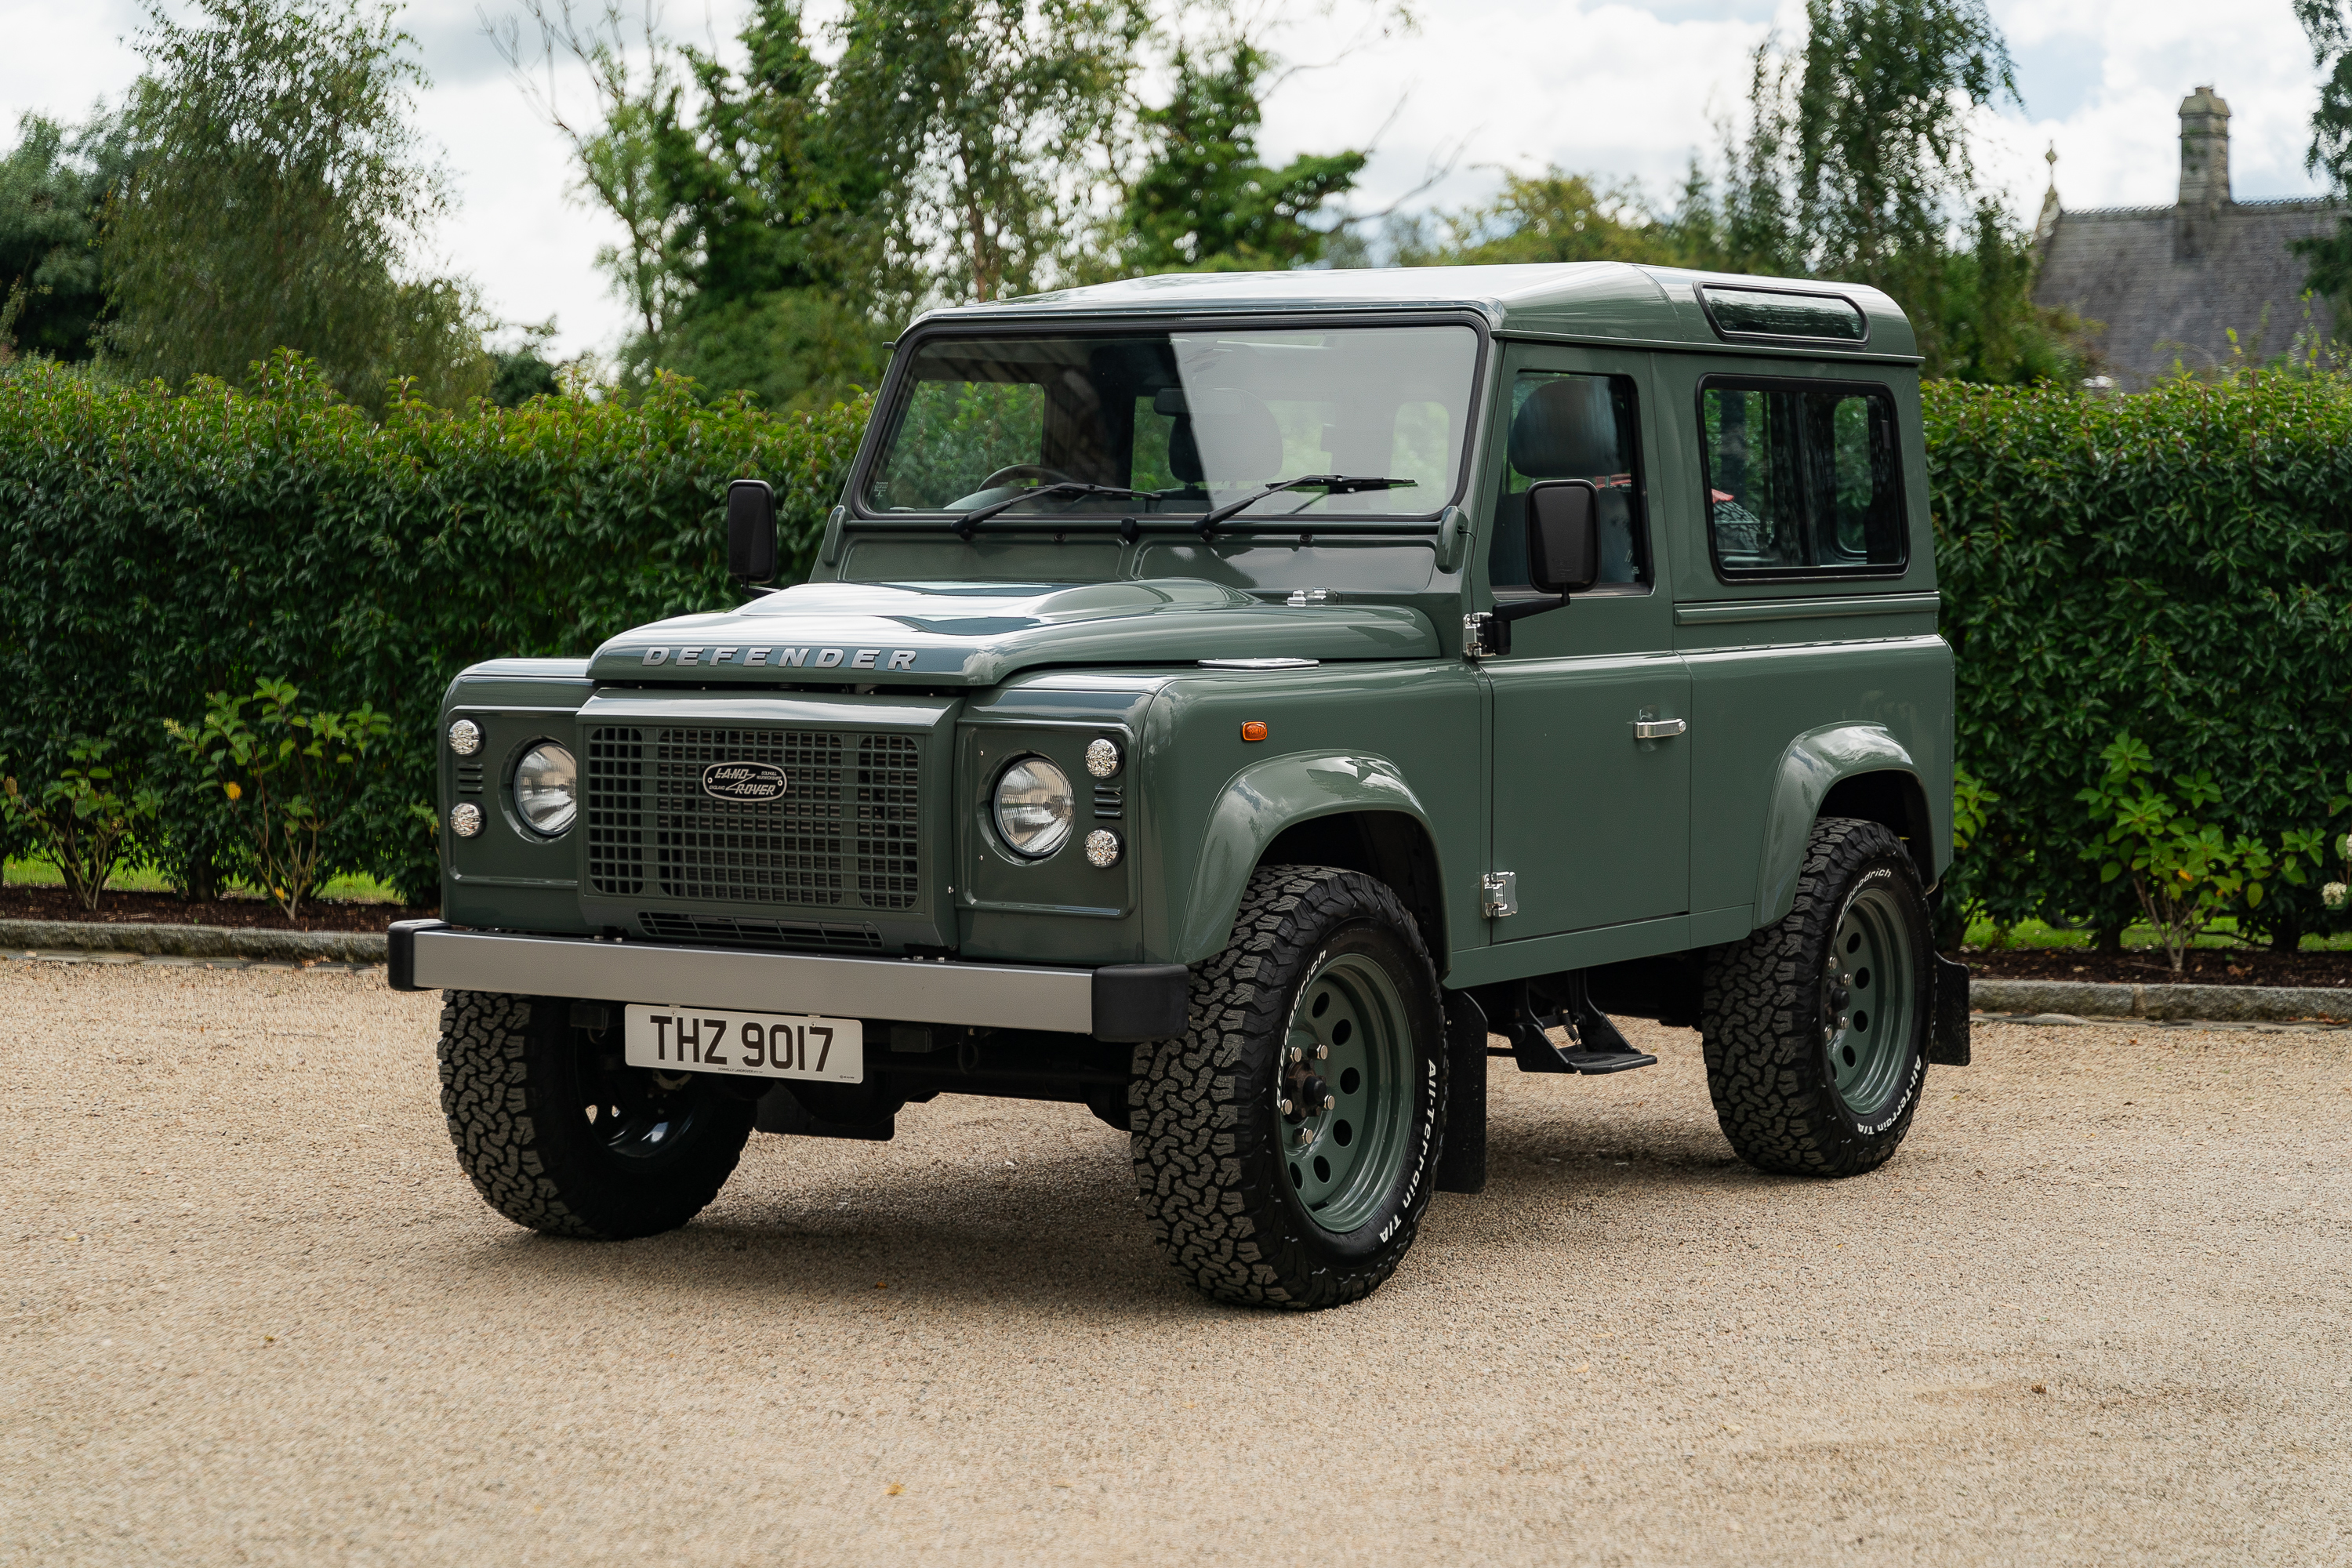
<point x="1869" y="1002"/>
<point x="640" y="1117"/>
<point x="1345" y="1091"/>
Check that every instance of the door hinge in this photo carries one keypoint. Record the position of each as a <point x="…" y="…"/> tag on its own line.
<point x="1501" y="890"/>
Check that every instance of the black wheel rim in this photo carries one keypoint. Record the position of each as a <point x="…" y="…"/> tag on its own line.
<point x="639" y="1117"/>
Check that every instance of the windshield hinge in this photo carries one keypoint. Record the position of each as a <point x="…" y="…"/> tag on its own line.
<point x="1308" y="596"/>
<point x="1482" y="636"/>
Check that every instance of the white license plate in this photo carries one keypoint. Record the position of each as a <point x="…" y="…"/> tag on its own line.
<point x="764" y="1045"/>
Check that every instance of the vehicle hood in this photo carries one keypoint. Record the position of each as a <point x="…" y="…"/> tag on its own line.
<point x="977" y="633"/>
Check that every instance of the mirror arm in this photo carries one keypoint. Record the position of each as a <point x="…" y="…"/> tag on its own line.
<point x="1521" y="609"/>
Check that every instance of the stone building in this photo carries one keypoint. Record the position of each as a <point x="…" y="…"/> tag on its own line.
<point x="2164" y="287"/>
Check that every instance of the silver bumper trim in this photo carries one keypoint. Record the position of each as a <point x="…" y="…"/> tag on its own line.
<point x="985" y="995"/>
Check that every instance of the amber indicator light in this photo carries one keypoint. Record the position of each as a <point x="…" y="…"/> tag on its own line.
<point x="1254" y="730"/>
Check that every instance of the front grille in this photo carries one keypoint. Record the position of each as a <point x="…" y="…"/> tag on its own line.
<point x="726" y="930"/>
<point x="845" y="834"/>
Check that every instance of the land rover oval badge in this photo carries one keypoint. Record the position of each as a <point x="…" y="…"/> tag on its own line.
<point x="744" y="781"/>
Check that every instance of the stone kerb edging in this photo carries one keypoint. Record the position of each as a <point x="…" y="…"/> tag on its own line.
<point x="2215" y="1004"/>
<point x="195" y="942"/>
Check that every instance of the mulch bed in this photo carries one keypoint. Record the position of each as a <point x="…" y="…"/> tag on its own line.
<point x="23" y="903"/>
<point x="2202" y="966"/>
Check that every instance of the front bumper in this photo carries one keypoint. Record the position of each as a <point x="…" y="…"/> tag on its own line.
<point x="1117" y="1002"/>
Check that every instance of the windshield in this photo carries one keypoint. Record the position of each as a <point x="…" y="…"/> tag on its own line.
<point x="1177" y="422"/>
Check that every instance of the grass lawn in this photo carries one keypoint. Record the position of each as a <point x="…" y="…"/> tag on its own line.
<point x="1985" y="933"/>
<point x="38" y="873"/>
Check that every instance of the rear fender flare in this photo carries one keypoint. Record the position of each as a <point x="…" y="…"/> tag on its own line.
<point x="1809" y="770"/>
<point x="1255" y="807"/>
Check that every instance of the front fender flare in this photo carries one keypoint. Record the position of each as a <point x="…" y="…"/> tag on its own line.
<point x="1258" y="803"/>
<point x="1814" y="762"/>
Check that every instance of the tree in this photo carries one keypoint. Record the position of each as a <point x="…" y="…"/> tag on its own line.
<point x="277" y="194"/>
<point x="54" y="185"/>
<point x="993" y="122"/>
<point x="1203" y="200"/>
<point x="750" y="259"/>
<point x="2327" y="23"/>
<point x="1853" y="164"/>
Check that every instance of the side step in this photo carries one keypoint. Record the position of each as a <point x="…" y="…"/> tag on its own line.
<point x="1598" y="1046"/>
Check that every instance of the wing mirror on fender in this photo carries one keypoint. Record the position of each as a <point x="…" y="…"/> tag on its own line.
<point x="751" y="531"/>
<point x="1563" y="536"/>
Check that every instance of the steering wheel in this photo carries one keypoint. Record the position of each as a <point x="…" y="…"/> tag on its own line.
<point x="1037" y="471"/>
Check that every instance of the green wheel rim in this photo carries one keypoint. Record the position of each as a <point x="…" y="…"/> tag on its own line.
<point x="1349" y="1045"/>
<point x="1870" y="1001"/>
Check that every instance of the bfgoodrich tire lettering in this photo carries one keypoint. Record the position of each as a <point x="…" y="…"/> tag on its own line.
<point x="1774" y="1007"/>
<point x="1212" y="1147"/>
<point x="553" y="1129"/>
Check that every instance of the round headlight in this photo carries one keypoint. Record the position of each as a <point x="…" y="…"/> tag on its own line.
<point x="1035" y="808"/>
<point x="547" y="788"/>
<point x="1102" y="758"/>
<point x="464" y="737"/>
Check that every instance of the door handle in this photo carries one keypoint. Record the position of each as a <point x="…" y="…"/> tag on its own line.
<point x="1658" y="729"/>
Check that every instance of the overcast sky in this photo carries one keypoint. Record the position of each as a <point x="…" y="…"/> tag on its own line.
<point x="1609" y="89"/>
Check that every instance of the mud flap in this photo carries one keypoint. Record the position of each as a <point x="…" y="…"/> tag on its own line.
<point x="1462" y="1160"/>
<point x="1947" y="1030"/>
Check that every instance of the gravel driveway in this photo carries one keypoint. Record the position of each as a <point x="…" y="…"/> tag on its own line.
<point x="2093" y="1312"/>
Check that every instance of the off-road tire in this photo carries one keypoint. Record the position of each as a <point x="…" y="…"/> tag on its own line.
<point x="516" y="1083"/>
<point x="1761" y="1006"/>
<point x="1207" y="1136"/>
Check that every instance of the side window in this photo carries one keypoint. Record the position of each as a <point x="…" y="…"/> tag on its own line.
<point x="1802" y="479"/>
<point x="1568" y="426"/>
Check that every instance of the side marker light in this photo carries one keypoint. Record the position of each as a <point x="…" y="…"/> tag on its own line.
<point x="1254" y="730"/>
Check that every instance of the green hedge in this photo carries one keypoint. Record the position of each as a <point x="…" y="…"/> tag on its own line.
<point x="2174" y="563"/>
<point x="160" y="546"/>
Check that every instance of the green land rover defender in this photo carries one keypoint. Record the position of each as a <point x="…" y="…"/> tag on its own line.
<point x="1232" y="704"/>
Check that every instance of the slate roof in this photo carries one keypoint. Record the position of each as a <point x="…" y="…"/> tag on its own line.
<point x="2123" y="267"/>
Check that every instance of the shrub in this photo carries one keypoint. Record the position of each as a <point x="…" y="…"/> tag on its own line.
<point x="156" y="547"/>
<point x="2174" y="563"/>
<point x="82" y="817"/>
<point x="290" y="777"/>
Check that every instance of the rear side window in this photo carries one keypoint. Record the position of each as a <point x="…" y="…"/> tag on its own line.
<point x="1802" y="479"/>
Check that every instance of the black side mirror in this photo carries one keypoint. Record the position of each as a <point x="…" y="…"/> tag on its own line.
<point x="750" y="531"/>
<point x="1563" y="536"/>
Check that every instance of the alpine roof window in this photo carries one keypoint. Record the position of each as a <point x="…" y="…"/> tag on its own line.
<point x="1802" y="479"/>
<point x="1776" y="313"/>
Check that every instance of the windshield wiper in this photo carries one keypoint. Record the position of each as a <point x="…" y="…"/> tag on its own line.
<point x="966" y="525"/>
<point x="1334" y="484"/>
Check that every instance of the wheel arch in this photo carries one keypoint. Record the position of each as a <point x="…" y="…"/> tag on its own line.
<point x="1354" y="811"/>
<point x="1842" y="770"/>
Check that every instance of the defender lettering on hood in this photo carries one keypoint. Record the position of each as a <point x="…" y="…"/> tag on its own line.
<point x="970" y="634"/>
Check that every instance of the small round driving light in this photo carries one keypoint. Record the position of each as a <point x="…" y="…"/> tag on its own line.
<point x="464" y="737"/>
<point x="464" y="819"/>
<point x="1102" y="849"/>
<point x="1035" y="808"/>
<point x="1102" y="758"/>
<point x="546" y="788"/>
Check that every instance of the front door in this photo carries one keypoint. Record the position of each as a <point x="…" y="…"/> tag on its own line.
<point x="1591" y="816"/>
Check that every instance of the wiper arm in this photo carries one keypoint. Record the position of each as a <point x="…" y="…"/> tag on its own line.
<point x="1334" y="484"/>
<point x="966" y="525"/>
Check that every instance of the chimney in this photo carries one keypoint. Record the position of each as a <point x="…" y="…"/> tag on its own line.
<point x="2204" y="170"/>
